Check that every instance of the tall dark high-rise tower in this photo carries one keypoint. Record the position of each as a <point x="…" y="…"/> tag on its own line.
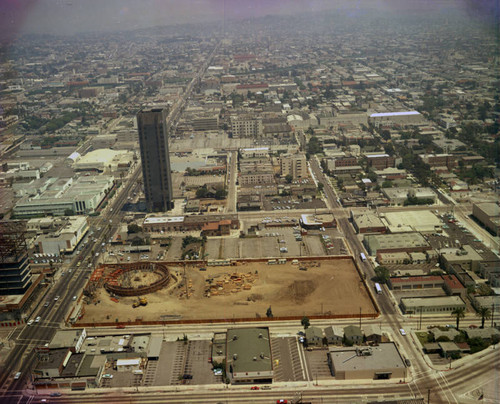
<point x="156" y="175"/>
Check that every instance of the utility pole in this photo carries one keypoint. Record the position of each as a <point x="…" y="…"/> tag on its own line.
<point x="428" y="396"/>
<point x="360" y="317"/>
<point x="185" y="280"/>
<point x="420" y="324"/>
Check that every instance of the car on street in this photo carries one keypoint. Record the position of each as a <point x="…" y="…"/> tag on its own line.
<point x="17" y="375"/>
<point x="255" y="388"/>
<point x="46" y="304"/>
<point x="402" y="331"/>
<point x="37" y="320"/>
<point x="56" y="298"/>
<point x="30" y="322"/>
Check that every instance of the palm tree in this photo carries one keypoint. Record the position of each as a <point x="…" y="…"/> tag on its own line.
<point x="484" y="313"/>
<point x="459" y="313"/>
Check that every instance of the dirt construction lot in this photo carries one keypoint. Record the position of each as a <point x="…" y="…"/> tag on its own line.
<point x="247" y="290"/>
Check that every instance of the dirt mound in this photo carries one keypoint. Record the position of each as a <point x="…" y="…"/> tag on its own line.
<point x="254" y="297"/>
<point x="300" y="290"/>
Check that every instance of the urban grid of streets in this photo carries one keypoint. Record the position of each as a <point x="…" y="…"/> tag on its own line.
<point x="438" y="384"/>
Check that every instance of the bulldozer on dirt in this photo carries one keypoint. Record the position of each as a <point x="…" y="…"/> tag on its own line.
<point x="141" y="301"/>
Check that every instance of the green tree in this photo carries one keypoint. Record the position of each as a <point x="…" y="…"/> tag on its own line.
<point x="320" y="186"/>
<point x="484" y="313"/>
<point x="202" y="192"/>
<point x="133" y="228"/>
<point x="289" y="178"/>
<point x="314" y="146"/>
<point x="458" y="313"/>
<point x="382" y="274"/>
<point x="305" y="322"/>
<point x="220" y="193"/>
<point x="269" y="312"/>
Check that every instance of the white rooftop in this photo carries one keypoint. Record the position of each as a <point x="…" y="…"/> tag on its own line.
<point x="164" y="219"/>
<point x="401" y="113"/>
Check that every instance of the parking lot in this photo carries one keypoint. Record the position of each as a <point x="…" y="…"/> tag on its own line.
<point x="317" y="364"/>
<point x="289" y="203"/>
<point x="287" y="364"/>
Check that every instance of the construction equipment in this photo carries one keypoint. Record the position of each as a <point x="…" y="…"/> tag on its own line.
<point x="141" y="301"/>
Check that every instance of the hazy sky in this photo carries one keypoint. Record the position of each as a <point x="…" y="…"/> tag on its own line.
<point x="73" y="16"/>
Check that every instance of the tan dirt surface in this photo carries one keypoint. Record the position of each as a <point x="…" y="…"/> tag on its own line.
<point x="332" y="288"/>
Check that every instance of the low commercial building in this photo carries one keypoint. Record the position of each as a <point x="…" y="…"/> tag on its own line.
<point x="415" y="282"/>
<point x="248" y="355"/>
<point x="465" y="257"/>
<point x="396" y="118"/>
<point x="105" y="160"/>
<point x="413" y="220"/>
<point x="431" y="305"/>
<point x="488" y="213"/>
<point x="379" y="362"/>
<point x="396" y="258"/>
<point x="398" y="196"/>
<point x="402" y="242"/>
<point x="71" y="339"/>
<point x="158" y="224"/>
<point x="368" y="223"/>
<point x="221" y="228"/>
<point x="65" y="238"/>
<point x="317" y="221"/>
<point x="128" y="365"/>
<point x="449" y="283"/>
<point x="490" y="302"/>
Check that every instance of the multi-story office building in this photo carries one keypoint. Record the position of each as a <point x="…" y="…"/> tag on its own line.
<point x="294" y="165"/>
<point x="15" y="273"/>
<point x="246" y="126"/>
<point x="157" y="178"/>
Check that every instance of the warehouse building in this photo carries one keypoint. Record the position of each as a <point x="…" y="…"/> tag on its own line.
<point x="368" y="223"/>
<point x="80" y="196"/>
<point x="105" y="160"/>
<point x="398" y="196"/>
<point x="431" y="305"/>
<point x="488" y="214"/>
<point x="248" y="355"/>
<point x="396" y="118"/>
<point x="413" y="220"/>
<point x="379" y="362"/>
<point x="401" y="242"/>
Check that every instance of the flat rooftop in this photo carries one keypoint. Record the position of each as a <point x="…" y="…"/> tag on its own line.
<point x="249" y="349"/>
<point x="400" y="113"/>
<point x="432" y="301"/>
<point x="385" y="356"/>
